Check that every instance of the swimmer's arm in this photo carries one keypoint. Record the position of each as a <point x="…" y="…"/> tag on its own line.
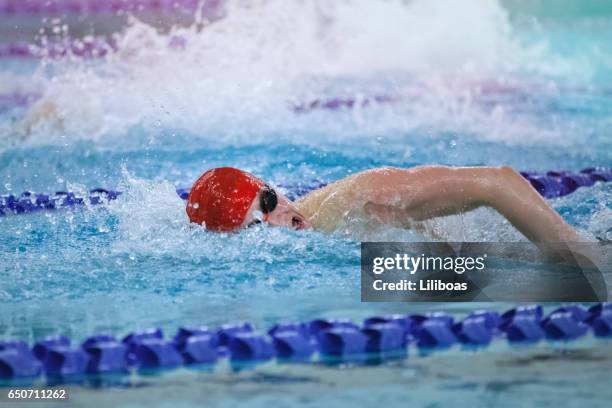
<point x="42" y="111"/>
<point x="433" y="191"/>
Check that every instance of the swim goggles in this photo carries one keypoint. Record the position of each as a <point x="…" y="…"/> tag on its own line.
<point x="268" y="200"/>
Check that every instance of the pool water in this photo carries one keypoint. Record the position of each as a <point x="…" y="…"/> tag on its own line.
<point x="488" y="83"/>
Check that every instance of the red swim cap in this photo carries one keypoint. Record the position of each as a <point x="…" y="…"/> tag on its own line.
<point x="221" y="198"/>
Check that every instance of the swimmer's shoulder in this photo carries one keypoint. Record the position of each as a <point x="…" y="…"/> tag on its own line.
<point x="343" y="190"/>
<point x="349" y="192"/>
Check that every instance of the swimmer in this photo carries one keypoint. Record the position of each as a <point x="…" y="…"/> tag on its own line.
<point x="42" y="112"/>
<point x="227" y="199"/>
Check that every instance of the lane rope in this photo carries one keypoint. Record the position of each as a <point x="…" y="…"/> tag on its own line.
<point x="377" y="339"/>
<point x="11" y="8"/>
<point x="550" y="185"/>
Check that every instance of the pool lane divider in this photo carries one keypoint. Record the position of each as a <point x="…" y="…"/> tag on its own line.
<point x="50" y="8"/>
<point x="377" y="339"/>
<point x="550" y="185"/>
<point x="89" y="47"/>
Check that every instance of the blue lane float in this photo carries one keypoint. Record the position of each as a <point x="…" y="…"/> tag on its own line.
<point x="602" y="325"/>
<point x="474" y="330"/>
<point x="293" y="341"/>
<point x="550" y="185"/>
<point x="377" y="338"/>
<point x="524" y="329"/>
<point x="65" y="361"/>
<point x="28" y="202"/>
<point x="293" y="345"/>
<point x="106" y="355"/>
<point x="560" y="183"/>
<point x="383" y="337"/>
<point x="434" y="333"/>
<point x="342" y="341"/>
<point x="250" y="346"/>
<point x="41" y="348"/>
<point x="563" y="326"/>
<point x="18" y="361"/>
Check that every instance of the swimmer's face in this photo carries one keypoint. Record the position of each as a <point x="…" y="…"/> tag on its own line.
<point x="284" y="214"/>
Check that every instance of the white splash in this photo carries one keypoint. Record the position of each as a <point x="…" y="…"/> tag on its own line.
<point x="234" y="79"/>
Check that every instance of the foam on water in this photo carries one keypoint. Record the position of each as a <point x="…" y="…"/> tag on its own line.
<point x="233" y="80"/>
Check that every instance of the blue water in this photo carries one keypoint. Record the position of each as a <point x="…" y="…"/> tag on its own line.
<point x="523" y="87"/>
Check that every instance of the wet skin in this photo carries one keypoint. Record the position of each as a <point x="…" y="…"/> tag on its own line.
<point x="403" y="197"/>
